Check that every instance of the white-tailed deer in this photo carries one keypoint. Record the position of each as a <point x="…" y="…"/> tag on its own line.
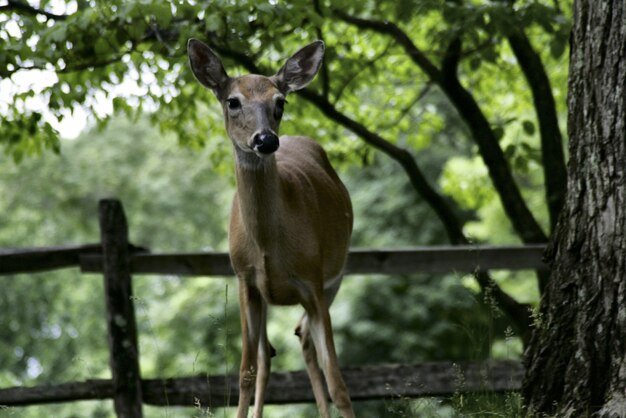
<point x="290" y="225"/>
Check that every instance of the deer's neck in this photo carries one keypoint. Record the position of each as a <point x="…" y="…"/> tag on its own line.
<point x="258" y="190"/>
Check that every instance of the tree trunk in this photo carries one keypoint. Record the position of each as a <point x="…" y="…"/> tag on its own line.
<point x="576" y="362"/>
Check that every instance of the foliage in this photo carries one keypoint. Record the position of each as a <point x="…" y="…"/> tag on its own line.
<point x="141" y="44"/>
<point x="130" y="57"/>
<point x="190" y="326"/>
<point x="57" y="330"/>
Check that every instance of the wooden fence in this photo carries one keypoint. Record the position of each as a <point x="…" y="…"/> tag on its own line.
<point x="117" y="260"/>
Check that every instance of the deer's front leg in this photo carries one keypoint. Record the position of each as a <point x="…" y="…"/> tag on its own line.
<point x="252" y="313"/>
<point x="263" y="362"/>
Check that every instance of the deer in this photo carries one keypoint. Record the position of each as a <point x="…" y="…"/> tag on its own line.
<point x="290" y="223"/>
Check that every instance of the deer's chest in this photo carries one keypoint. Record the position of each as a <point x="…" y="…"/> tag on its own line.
<point x="277" y="268"/>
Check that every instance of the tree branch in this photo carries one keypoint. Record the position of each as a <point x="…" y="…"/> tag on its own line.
<point x="400" y="155"/>
<point x="406" y="109"/>
<point x="19" y="6"/>
<point x="450" y="62"/>
<point x="367" y="65"/>
<point x="514" y="205"/>
<point x="389" y="28"/>
<point x="67" y="69"/>
<point x="519" y="313"/>
<point x="324" y="70"/>
<point x="89" y="65"/>
<point x="552" y="155"/>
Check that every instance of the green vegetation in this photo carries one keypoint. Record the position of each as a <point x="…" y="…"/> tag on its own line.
<point x="189" y="326"/>
<point x="165" y="155"/>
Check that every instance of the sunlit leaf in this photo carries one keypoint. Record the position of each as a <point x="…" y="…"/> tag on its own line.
<point x="529" y="127"/>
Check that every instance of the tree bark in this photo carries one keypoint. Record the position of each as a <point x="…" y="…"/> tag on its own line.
<point x="576" y="362"/>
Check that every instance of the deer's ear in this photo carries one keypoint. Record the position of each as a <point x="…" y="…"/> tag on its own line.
<point x="206" y="65"/>
<point x="301" y="68"/>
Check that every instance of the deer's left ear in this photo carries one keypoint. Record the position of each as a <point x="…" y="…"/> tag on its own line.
<point x="301" y="68"/>
<point x="206" y="66"/>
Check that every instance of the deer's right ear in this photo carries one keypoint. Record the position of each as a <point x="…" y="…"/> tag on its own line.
<point x="206" y="65"/>
<point x="301" y="68"/>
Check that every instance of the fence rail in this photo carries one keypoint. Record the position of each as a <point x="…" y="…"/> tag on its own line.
<point x="33" y="260"/>
<point x="117" y="260"/>
<point x="462" y="258"/>
<point x="364" y="383"/>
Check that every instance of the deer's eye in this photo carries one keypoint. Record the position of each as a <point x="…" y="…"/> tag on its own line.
<point x="280" y="107"/>
<point x="233" y="103"/>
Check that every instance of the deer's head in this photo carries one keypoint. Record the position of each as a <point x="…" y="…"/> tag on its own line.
<point x="253" y="104"/>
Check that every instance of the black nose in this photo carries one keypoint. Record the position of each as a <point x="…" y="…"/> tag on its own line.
<point x="265" y="142"/>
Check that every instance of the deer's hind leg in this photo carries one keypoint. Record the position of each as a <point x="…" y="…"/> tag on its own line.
<point x="312" y="367"/>
<point x="319" y="350"/>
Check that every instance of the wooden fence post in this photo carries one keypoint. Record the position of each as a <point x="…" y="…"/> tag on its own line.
<point x="120" y="311"/>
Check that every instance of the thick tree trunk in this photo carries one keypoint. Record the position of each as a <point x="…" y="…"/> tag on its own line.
<point x="576" y="362"/>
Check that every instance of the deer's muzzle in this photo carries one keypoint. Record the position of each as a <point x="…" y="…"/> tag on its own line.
<point x="265" y="142"/>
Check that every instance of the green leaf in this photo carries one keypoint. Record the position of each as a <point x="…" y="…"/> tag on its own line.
<point x="475" y="63"/>
<point x="38" y="61"/>
<point x="86" y="18"/>
<point x="532" y="154"/>
<point x="529" y="127"/>
<point x="498" y="132"/>
<point x="213" y="22"/>
<point x="557" y="46"/>
<point x="509" y="151"/>
<point x="18" y="155"/>
<point x="520" y="163"/>
<point x="120" y="105"/>
<point x="137" y="29"/>
<point x="58" y="33"/>
<point x="101" y="47"/>
<point x="162" y="13"/>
